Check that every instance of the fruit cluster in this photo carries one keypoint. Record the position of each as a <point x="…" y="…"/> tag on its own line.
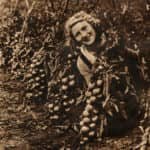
<point x="90" y="115"/>
<point x="65" y="85"/>
<point x="68" y="84"/>
<point x="36" y="79"/>
<point x="55" y="109"/>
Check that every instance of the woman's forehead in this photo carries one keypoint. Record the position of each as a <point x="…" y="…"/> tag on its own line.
<point x="79" y="25"/>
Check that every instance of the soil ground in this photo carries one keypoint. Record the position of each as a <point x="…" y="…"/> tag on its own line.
<point x="24" y="128"/>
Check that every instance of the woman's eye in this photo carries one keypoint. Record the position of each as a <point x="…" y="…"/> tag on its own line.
<point x="77" y="34"/>
<point x="89" y="33"/>
<point x="83" y="28"/>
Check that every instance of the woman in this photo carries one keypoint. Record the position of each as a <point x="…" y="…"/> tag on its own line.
<point x="111" y="104"/>
<point x="102" y="52"/>
<point x="84" y="32"/>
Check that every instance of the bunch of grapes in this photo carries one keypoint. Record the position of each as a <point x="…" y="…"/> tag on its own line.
<point x="90" y="115"/>
<point x="54" y="102"/>
<point x="36" y="79"/>
<point x="63" y="102"/>
<point x="68" y="84"/>
<point x="65" y="85"/>
<point x="93" y="117"/>
<point x="55" y="109"/>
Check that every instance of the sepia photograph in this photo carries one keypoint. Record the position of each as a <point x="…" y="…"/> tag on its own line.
<point x="74" y="74"/>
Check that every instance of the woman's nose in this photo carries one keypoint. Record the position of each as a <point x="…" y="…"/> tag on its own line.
<point x="83" y="34"/>
<point x="84" y="37"/>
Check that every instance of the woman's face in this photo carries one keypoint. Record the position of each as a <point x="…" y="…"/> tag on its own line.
<point x="84" y="33"/>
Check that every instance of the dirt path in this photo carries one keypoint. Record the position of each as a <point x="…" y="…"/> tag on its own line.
<point x="25" y="128"/>
<point x="11" y="133"/>
<point x="22" y="127"/>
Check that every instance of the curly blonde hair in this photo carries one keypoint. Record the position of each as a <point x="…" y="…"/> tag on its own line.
<point x="79" y="17"/>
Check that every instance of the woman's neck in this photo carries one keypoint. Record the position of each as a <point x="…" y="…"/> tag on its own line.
<point x="94" y="48"/>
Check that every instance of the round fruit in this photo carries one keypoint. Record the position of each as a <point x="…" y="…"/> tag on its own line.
<point x="85" y="139"/>
<point x="37" y="78"/>
<point x="99" y="82"/>
<point x="30" y="81"/>
<point x="89" y="107"/>
<point x="71" y="101"/>
<point x="91" y="133"/>
<point x="92" y="125"/>
<point x="81" y="123"/>
<point x="56" y="108"/>
<point x="50" y="106"/>
<point x="72" y="83"/>
<point x="40" y="93"/>
<point x="41" y="70"/>
<point x="29" y="95"/>
<point x="42" y="75"/>
<point x="85" y="113"/>
<point x="67" y="109"/>
<point x="29" y="75"/>
<point x="65" y="97"/>
<point x="69" y="56"/>
<point x="95" y="118"/>
<point x="65" y="103"/>
<point x="92" y="99"/>
<point x="42" y="87"/>
<point x="37" y="84"/>
<point x="100" y="67"/>
<point x="91" y="86"/>
<point x="55" y="117"/>
<point x="65" y="80"/>
<point x="81" y="142"/>
<point x="88" y="93"/>
<point x="95" y="111"/>
<point x="86" y="120"/>
<point x="69" y="62"/>
<point x="96" y="91"/>
<point x="34" y="72"/>
<point x="64" y="87"/>
<point x="38" y="63"/>
<point x="88" y="101"/>
<point x="34" y="60"/>
<point x="84" y="129"/>
<point x="71" y="77"/>
<point x="32" y="65"/>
